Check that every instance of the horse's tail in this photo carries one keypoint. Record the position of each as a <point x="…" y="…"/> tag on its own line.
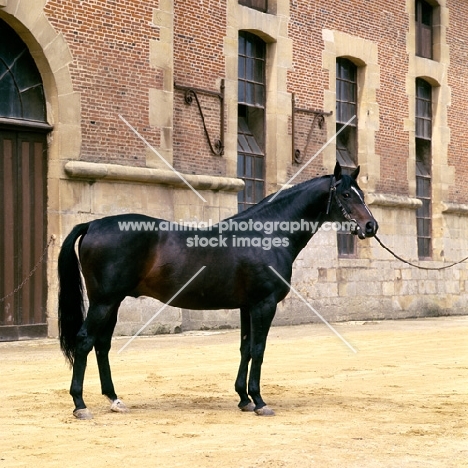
<point x="70" y="299"/>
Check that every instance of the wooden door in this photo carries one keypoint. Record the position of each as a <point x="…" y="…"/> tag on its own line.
<point x="23" y="177"/>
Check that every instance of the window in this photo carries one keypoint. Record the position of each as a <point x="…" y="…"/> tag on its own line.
<point x="261" y="5"/>
<point x="251" y="119"/>
<point x="346" y="141"/>
<point x="424" y="20"/>
<point x="423" y="167"/>
<point x="20" y="81"/>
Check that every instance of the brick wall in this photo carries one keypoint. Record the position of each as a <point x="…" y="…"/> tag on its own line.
<point x="109" y="42"/>
<point x="457" y="73"/>
<point x="378" y="21"/>
<point x="199" y="31"/>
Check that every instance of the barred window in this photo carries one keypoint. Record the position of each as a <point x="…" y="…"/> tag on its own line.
<point x="251" y="119"/>
<point x="346" y="141"/>
<point x="423" y="167"/>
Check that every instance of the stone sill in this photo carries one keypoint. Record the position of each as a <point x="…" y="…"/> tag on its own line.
<point x="389" y="200"/>
<point x="118" y="173"/>
<point x="455" y="208"/>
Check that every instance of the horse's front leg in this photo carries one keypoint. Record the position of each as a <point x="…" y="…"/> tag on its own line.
<point x="245" y="403"/>
<point x="262" y="316"/>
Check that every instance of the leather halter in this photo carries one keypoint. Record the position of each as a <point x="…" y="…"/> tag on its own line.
<point x="332" y="194"/>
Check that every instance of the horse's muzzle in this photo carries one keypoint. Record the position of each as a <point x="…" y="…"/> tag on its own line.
<point x="371" y="228"/>
<point x="369" y="231"/>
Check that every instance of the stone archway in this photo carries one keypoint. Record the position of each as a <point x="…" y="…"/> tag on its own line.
<point x="23" y="189"/>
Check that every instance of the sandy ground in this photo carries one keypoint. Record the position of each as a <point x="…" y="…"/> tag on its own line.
<point x="400" y="401"/>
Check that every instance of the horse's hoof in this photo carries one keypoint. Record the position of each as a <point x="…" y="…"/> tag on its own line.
<point x="249" y="407"/>
<point x="265" y="411"/>
<point x="83" y="413"/>
<point x="118" y="406"/>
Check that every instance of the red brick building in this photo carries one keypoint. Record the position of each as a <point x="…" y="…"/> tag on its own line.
<point x="197" y="80"/>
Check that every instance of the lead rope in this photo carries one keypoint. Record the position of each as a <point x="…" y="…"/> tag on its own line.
<point x="36" y="266"/>
<point x="414" y="265"/>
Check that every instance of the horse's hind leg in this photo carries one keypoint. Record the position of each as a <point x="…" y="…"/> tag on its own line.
<point x="96" y="320"/>
<point x="245" y="403"/>
<point x="102" y="347"/>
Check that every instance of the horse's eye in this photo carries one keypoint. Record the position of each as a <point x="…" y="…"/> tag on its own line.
<point x="346" y="195"/>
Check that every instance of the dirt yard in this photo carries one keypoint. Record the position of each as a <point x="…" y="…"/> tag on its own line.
<point x="401" y="401"/>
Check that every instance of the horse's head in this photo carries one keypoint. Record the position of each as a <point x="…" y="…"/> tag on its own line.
<point x="346" y="200"/>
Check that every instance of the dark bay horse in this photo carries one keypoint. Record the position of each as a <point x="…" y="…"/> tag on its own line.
<point x="238" y="255"/>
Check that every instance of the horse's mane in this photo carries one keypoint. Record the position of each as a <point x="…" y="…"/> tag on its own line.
<point x="265" y="207"/>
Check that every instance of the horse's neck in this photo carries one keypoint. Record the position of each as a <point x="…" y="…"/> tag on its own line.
<point x="309" y="212"/>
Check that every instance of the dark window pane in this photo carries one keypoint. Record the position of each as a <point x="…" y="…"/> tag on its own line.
<point x="349" y="91"/>
<point x="248" y="166"/>
<point x="259" y="168"/>
<point x="259" y="72"/>
<point x="346" y="244"/>
<point x="242" y="144"/>
<point x="259" y="95"/>
<point x="427" y="129"/>
<point x="250" y="63"/>
<point x="260" y="49"/>
<point x="249" y="48"/>
<point x="423" y="187"/>
<point x="424" y="227"/>
<point x="11" y="106"/>
<point x="423" y="89"/>
<point x="426" y="14"/>
<point x="253" y="146"/>
<point x="241" y="45"/>
<point x="426" y="208"/>
<point x="249" y="93"/>
<point x="249" y="191"/>
<point x="241" y="69"/>
<point x="424" y="247"/>
<point x="240" y="165"/>
<point x="258" y="191"/>
<point x="419" y="128"/>
<point x="33" y="103"/>
<point x="241" y="91"/>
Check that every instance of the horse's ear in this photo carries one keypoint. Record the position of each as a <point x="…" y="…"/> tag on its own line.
<point x="337" y="172"/>
<point x="355" y="173"/>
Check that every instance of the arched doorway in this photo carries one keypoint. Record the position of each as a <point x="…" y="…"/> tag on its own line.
<point x="23" y="183"/>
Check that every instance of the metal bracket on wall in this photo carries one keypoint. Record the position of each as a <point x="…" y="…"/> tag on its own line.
<point x="217" y="147"/>
<point x="298" y="155"/>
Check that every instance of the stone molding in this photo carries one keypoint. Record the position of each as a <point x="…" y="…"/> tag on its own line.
<point x="393" y="201"/>
<point x="115" y="172"/>
<point x="454" y="208"/>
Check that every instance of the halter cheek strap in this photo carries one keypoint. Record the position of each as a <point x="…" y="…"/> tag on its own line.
<point x="331" y="194"/>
